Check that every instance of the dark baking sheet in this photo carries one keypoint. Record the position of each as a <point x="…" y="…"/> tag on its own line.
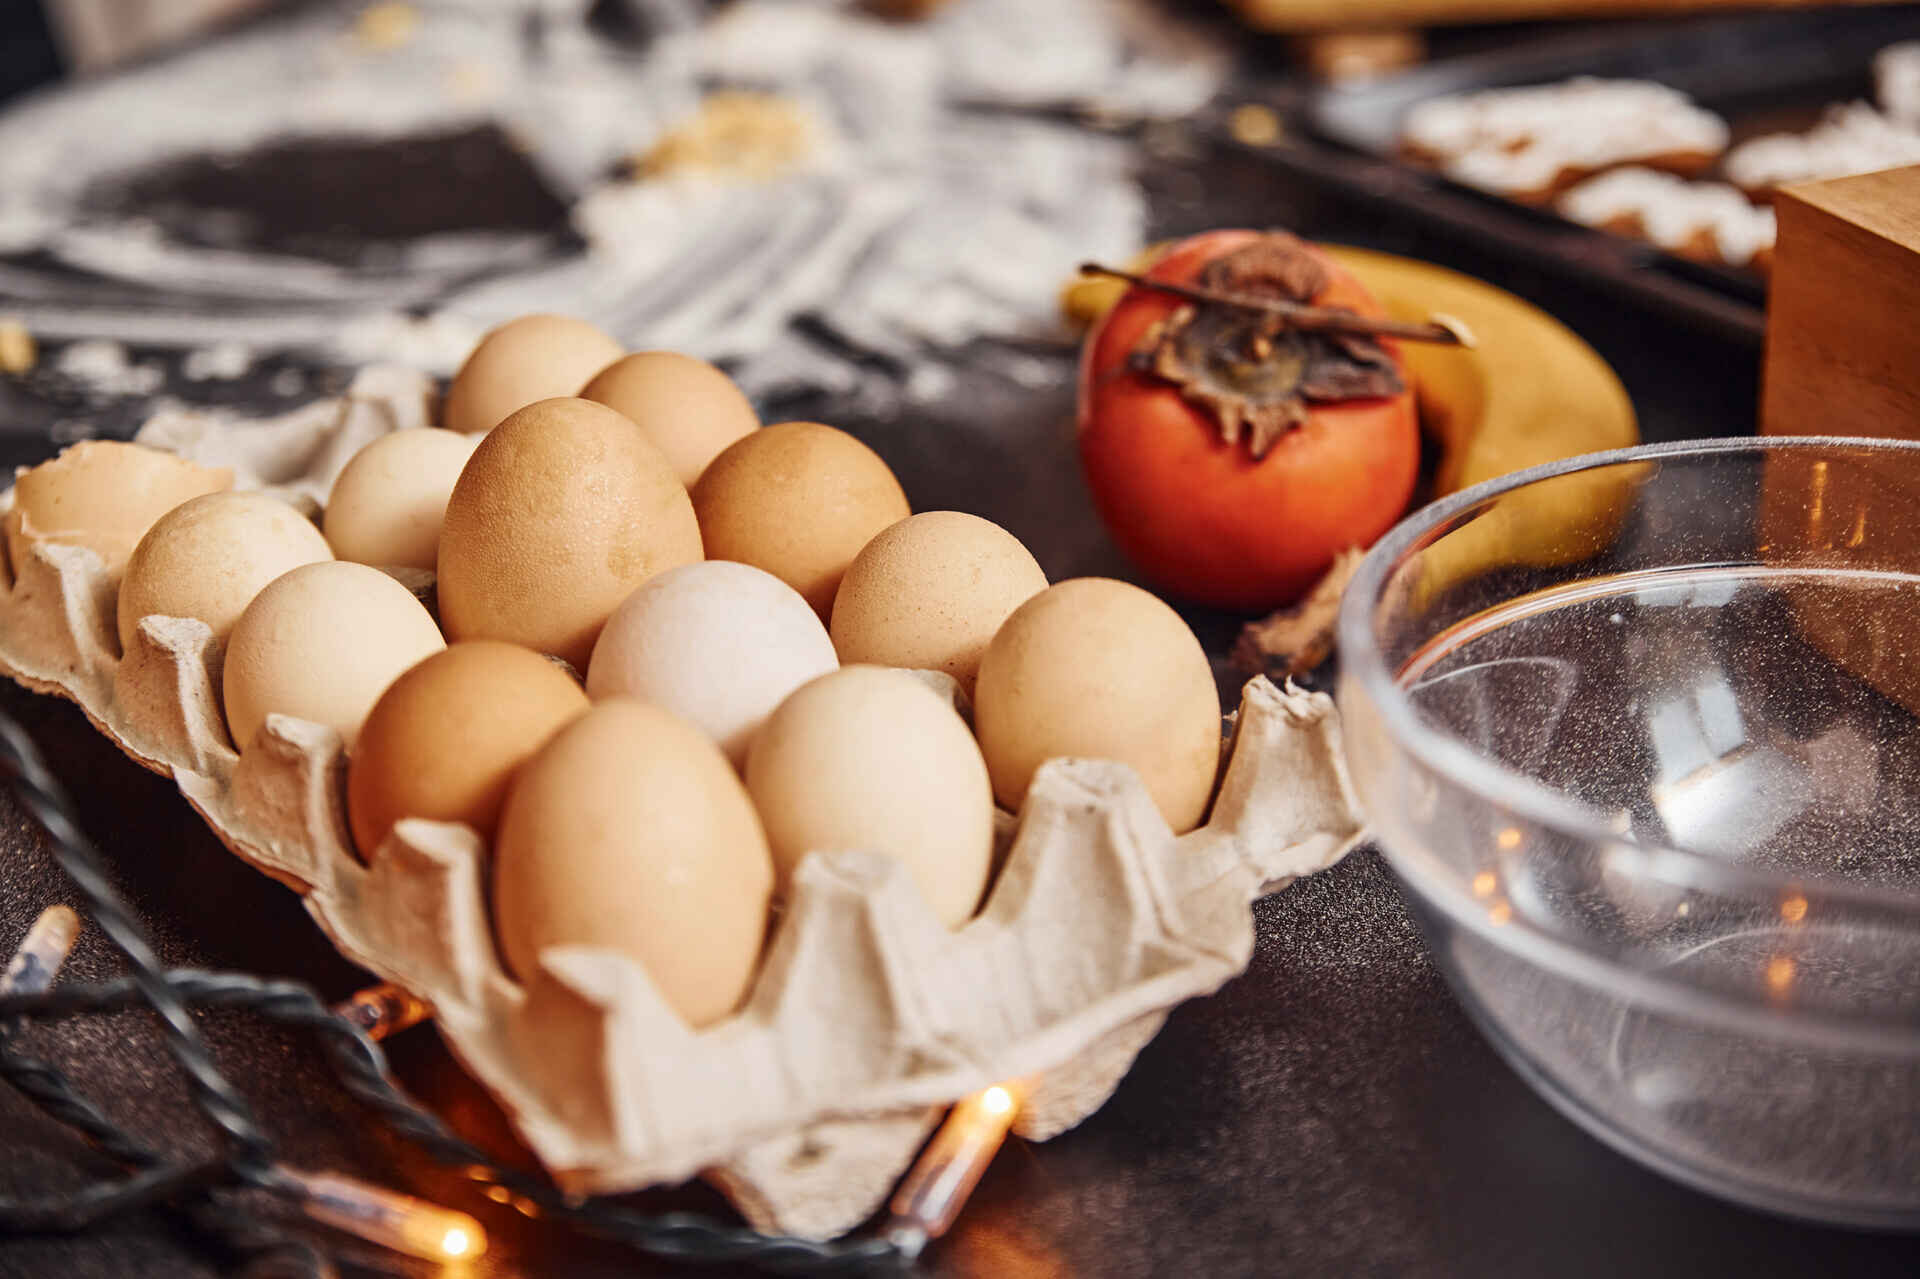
<point x="1763" y="73"/>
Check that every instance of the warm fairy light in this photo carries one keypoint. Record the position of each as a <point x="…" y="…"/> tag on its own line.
<point x="1499" y="913"/>
<point x="1509" y="839"/>
<point x="1484" y="883"/>
<point x="1794" y="909"/>
<point x="938" y="1184"/>
<point x="383" y="1010"/>
<point x="1683" y="909"/>
<point x="1780" y="970"/>
<point x="42" y="952"/>
<point x="384" y="1217"/>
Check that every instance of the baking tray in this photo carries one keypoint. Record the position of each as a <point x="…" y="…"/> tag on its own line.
<point x="1763" y="73"/>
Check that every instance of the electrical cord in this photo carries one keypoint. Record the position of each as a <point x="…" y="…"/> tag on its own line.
<point x="246" y="1156"/>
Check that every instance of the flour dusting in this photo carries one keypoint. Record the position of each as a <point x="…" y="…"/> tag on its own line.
<point x="940" y="196"/>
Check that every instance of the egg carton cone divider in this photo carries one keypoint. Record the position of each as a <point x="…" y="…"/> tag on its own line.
<point x="867" y="1017"/>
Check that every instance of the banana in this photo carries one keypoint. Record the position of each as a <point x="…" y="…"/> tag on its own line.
<point x="1529" y="391"/>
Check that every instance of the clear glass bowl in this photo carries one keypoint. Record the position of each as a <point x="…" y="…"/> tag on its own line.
<point x="1638" y="733"/>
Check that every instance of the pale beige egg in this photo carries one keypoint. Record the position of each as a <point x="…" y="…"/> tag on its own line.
<point x="719" y="644"/>
<point x="686" y="406"/>
<point x="103" y="495"/>
<point x="799" y="500"/>
<point x="208" y="557"/>
<point x="562" y="511"/>
<point x="874" y="760"/>
<point x="630" y="832"/>
<point x="321" y="643"/>
<point x="929" y="593"/>
<point x="444" y="739"/>
<point x="389" y="499"/>
<point x="535" y="357"/>
<point x="1100" y="669"/>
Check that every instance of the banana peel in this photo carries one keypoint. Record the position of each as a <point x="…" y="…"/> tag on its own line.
<point x="1529" y="391"/>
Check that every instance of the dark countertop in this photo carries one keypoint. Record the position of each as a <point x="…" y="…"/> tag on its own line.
<point x="1330" y="1112"/>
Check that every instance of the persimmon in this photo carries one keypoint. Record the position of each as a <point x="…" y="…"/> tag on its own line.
<point x="1231" y="453"/>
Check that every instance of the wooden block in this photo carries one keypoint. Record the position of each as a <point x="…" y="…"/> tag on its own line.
<point x="1840" y="361"/>
<point x="1842" y="307"/>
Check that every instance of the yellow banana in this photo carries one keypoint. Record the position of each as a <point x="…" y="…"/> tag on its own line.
<point x="1529" y="391"/>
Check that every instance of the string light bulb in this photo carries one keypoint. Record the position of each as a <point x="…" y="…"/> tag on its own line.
<point x="383" y="1010"/>
<point x="385" y="1217"/>
<point x="938" y="1185"/>
<point x="42" y="952"/>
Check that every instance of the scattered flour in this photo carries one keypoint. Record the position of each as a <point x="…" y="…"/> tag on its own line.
<point x="940" y="204"/>
<point x="221" y="362"/>
<point x="103" y="368"/>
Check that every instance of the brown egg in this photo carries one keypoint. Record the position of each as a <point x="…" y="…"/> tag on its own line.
<point x="1099" y="669"/>
<point x="445" y="738"/>
<point x="629" y="831"/>
<point x="535" y="357"/>
<point x="562" y="511"/>
<point x="686" y="406"/>
<point x="929" y="592"/>
<point x="799" y="500"/>
<point x="103" y="495"/>
<point x="208" y="558"/>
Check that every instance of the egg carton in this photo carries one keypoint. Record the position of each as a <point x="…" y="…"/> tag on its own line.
<point x="868" y="1016"/>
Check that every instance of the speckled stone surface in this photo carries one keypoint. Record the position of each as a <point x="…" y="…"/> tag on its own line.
<point x="1332" y="1112"/>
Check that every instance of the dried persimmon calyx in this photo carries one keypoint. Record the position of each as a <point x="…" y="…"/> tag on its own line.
<point x="1250" y="370"/>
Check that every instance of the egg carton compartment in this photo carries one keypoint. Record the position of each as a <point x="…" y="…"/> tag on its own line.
<point x="867" y="1015"/>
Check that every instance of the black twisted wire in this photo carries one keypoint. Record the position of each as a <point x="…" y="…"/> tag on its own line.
<point x="359" y="1063"/>
<point x="43" y="1084"/>
<point x="363" y="1072"/>
<point x="41" y="794"/>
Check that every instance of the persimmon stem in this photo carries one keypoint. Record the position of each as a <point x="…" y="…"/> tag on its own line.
<point x="1441" y="328"/>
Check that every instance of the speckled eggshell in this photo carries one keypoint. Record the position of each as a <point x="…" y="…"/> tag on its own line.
<point x="799" y="500"/>
<point x="388" y="501"/>
<point x="630" y="831"/>
<point x="1099" y="669"/>
<point x="563" y="510"/>
<point x="874" y="760"/>
<point x="686" y="406"/>
<point x="445" y="738"/>
<point x="207" y="558"/>
<point x="103" y="495"/>
<point x="719" y="644"/>
<point x="535" y="357"/>
<point x="929" y="593"/>
<point x="322" y="643"/>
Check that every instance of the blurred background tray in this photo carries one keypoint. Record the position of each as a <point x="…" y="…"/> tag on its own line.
<point x="1764" y="73"/>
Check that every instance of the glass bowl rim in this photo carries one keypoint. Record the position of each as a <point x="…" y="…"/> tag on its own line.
<point x="1362" y="661"/>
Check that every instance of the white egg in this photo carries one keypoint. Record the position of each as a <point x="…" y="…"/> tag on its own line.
<point x="719" y="644"/>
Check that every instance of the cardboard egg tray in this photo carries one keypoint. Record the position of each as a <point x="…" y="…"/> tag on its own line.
<point x="867" y="1016"/>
